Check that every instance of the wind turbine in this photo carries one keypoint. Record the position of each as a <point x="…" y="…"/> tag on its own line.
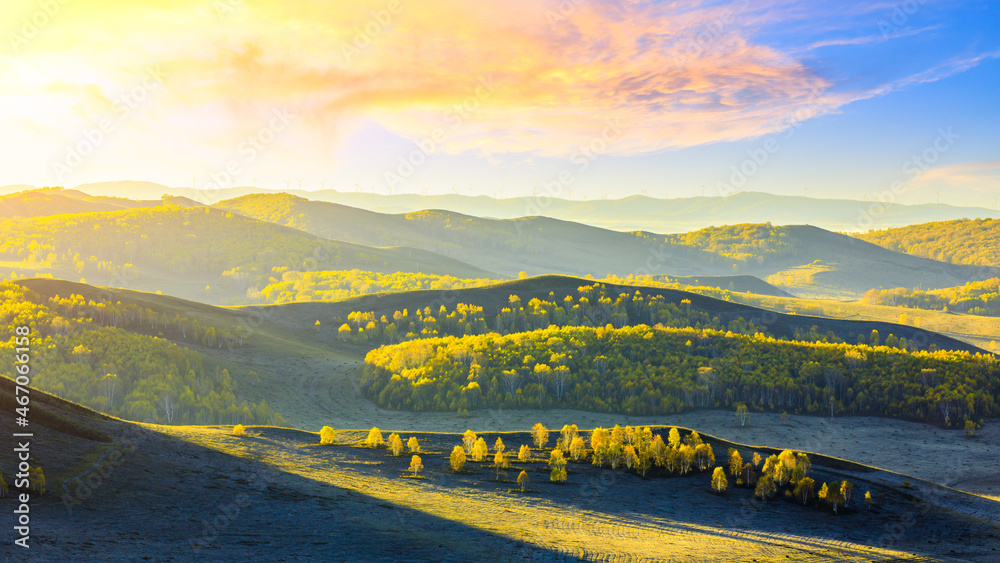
<point x="300" y="183"/>
<point x="424" y="191"/>
<point x="645" y="192"/>
<point x="255" y="182"/>
<point x="938" y="196"/>
<point x="500" y="191"/>
<point x="470" y="190"/>
<point x="703" y="190"/>
<point x="287" y="182"/>
<point x="357" y="187"/>
<point x="322" y="184"/>
<point x="604" y="195"/>
<point x="194" y="182"/>
<point x="534" y="191"/>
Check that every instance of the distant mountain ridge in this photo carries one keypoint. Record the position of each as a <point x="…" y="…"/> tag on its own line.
<point x="633" y="213"/>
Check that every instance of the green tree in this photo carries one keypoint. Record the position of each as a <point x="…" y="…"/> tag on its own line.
<point x="805" y="489"/>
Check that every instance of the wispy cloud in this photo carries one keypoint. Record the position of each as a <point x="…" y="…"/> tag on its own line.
<point x="675" y="76"/>
<point x="977" y="176"/>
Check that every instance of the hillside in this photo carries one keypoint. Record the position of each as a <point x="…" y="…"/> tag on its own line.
<point x="495" y="297"/>
<point x="55" y="201"/>
<point x="803" y="260"/>
<point x="181" y="250"/>
<point x="635" y="213"/>
<point x="812" y="262"/>
<point x="536" y="245"/>
<point x="964" y="241"/>
<point x="121" y="480"/>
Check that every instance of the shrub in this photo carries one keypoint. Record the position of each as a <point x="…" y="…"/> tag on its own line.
<point x="239" y="430"/>
<point x="325" y="436"/>
<point x="457" y="459"/>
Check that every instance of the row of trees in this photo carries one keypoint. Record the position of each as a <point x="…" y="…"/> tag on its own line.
<point x="593" y="306"/>
<point x="286" y="285"/>
<point x="976" y="298"/>
<point x="109" y="369"/>
<point x="643" y="370"/>
<point x="640" y="450"/>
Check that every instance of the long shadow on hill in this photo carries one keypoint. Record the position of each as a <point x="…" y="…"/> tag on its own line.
<point x="494" y="297"/>
<point x="166" y="499"/>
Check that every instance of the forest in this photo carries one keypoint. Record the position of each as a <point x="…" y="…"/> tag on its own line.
<point x="593" y="306"/>
<point x="642" y="370"/>
<point x="974" y="298"/>
<point x="748" y="243"/>
<point x="964" y="241"/>
<point x="286" y="285"/>
<point x="80" y="350"/>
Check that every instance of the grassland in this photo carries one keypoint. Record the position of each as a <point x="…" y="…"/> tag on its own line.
<point x="199" y="493"/>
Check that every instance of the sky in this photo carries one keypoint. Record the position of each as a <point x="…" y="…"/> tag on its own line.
<point x="579" y="99"/>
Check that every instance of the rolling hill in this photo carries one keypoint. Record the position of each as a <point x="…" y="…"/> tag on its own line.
<point x="975" y="242"/>
<point x="495" y="297"/>
<point x="802" y="259"/>
<point x="181" y="250"/>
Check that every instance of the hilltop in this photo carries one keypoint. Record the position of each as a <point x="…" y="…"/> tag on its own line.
<point x="966" y="241"/>
<point x="187" y="251"/>
<point x="495" y="297"/>
<point x="633" y="213"/>
<point x="801" y="259"/>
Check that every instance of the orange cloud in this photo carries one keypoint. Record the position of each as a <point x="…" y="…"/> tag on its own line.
<point x="512" y="76"/>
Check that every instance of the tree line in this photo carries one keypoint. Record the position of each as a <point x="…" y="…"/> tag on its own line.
<point x="642" y="370"/>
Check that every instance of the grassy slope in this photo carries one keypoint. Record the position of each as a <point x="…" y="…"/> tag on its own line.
<point x="960" y="242"/>
<point x="161" y="484"/>
<point x="492" y="298"/>
<point x="541" y="245"/>
<point x="176" y="231"/>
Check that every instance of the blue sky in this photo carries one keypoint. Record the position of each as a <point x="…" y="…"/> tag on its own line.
<point x="584" y="99"/>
